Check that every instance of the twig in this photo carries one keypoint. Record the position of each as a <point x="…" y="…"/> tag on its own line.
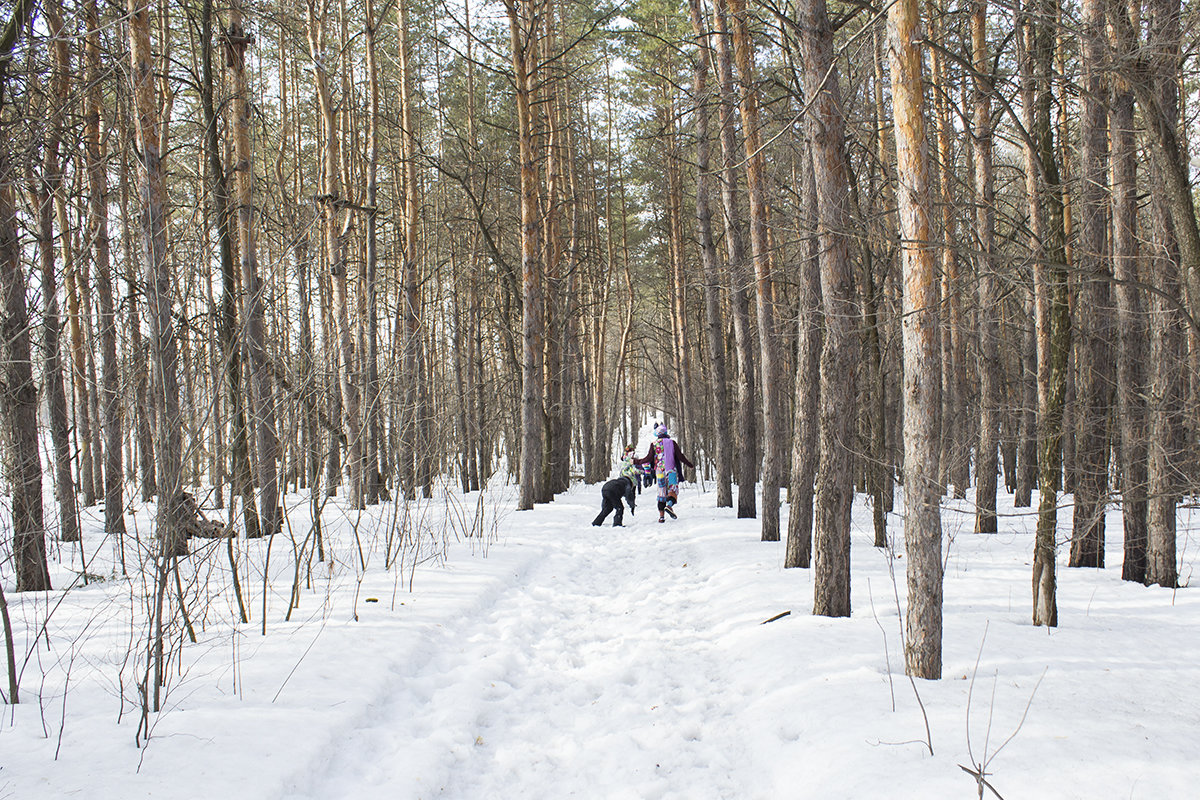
<point x="978" y="774"/>
<point x="887" y="659"/>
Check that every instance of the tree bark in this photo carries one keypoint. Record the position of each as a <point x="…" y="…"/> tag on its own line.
<point x="114" y="432"/>
<point x="42" y="198"/>
<point x="336" y="224"/>
<point x="169" y="439"/>
<point x="1177" y="265"/>
<point x="1132" y="341"/>
<point x="532" y="329"/>
<point x="922" y="362"/>
<point x="775" y="436"/>
<point x="262" y="396"/>
<point x="1027" y="466"/>
<point x="414" y="444"/>
<point x="372" y="419"/>
<point x="987" y="468"/>
<point x="714" y="327"/>
<point x="808" y="378"/>
<point x="242" y="485"/>
<point x="834" y="482"/>
<point x="20" y="398"/>
<point x="24" y="467"/>
<point x="956" y="454"/>
<point x="735" y="236"/>
<point x="1050" y="290"/>
<point x="1093" y="350"/>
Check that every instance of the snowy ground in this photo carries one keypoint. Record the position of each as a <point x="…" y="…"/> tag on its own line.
<point x="545" y="658"/>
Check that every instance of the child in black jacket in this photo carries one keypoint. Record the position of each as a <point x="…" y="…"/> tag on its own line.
<point x="613" y="492"/>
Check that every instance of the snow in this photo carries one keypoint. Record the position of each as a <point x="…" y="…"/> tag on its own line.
<point x="546" y="658"/>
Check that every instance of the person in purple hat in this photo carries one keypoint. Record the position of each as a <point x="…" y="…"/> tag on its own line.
<point x="666" y="456"/>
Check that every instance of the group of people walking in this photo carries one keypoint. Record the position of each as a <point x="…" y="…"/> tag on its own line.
<point x="660" y="465"/>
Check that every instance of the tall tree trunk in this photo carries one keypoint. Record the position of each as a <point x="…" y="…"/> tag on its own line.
<point x="336" y="223"/>
<point x="1177" y="263"/>
<point x="83" y="419"/>
<point x="835" y="483"/>
<point x="955" y="455"/>
<point x="553" y="323"/>
<point x="143" y="402"/>
<point x="532" y="329"/>
<point x="114" y="433"/>
<point x="775" y="434"/>
<point x="714" y="328"/>
<point x="1132" y="342"/>
<point x="20" y="397"/>
<point x="1093" y="350"/>
<point x="262" y="409"/>
<point x="1027" y="466"/>
<point x="922" y="362"/>
<point x="475" y="369"/>
<point x="1050" y="289"/>
<point x="987" y="468"/>
<point x="415" y="447"/>
<point x="43" y="201"/>
<point x="739" y="302"/>
<point x="242" y="485"/>
<point x="808" y="377"/>
<point x="24" y="467"/>
<point x="373" y="418"/>
<point x="169" y="439"/>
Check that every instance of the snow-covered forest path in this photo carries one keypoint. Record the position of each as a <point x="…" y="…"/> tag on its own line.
<point x="551" y="659"/>
<point x="604" y="648"/>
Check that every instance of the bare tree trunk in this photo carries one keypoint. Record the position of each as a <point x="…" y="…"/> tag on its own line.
<point x="1164" y="399"/>
<point x="114" y="433"/>
<point x="1132" y="342"/>
<point x="480" y="458"/>
<point x="1027" y="466"/>
<point x="83" y="419"/>
<point x="24" y="466"/>
<point x="414" y="446"/>
<point x="20" y="398"/>
<point x="922" y="362"/>
<point x="372" y="420"/>
<point x="1176" y="265"/>
<point x="875" y="464"/>
<point x="1050" y="289"/>
<point x="1093" y="351"/>
<point x="262" y="410"/>
<point x="718" y="380"/>
<point x="239" y="455"/>
<point x="73" y="257"/>
<point x="955" y="455"/>
<point x="808" y="377"/>
<point x="143" y="402"/>
<point x="739" y="302"/>
<point x="775" y="435"/>
<point x="987" y="468"/>
<point x="169" y="450"/>
<point x="835" y="483"/>
<point x="553" y="322"/>
<point x="42" y="199"/>
<point x="56" y="400"/>
<point x="308" y="387"/>
<point x="533" y="333"/>
<point x="336" y="228"/>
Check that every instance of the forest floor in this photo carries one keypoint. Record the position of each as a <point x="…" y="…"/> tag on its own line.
<point x="546" y="658"/>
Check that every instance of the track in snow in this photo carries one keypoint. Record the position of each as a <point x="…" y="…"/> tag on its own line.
<point x="592" y="675"/>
